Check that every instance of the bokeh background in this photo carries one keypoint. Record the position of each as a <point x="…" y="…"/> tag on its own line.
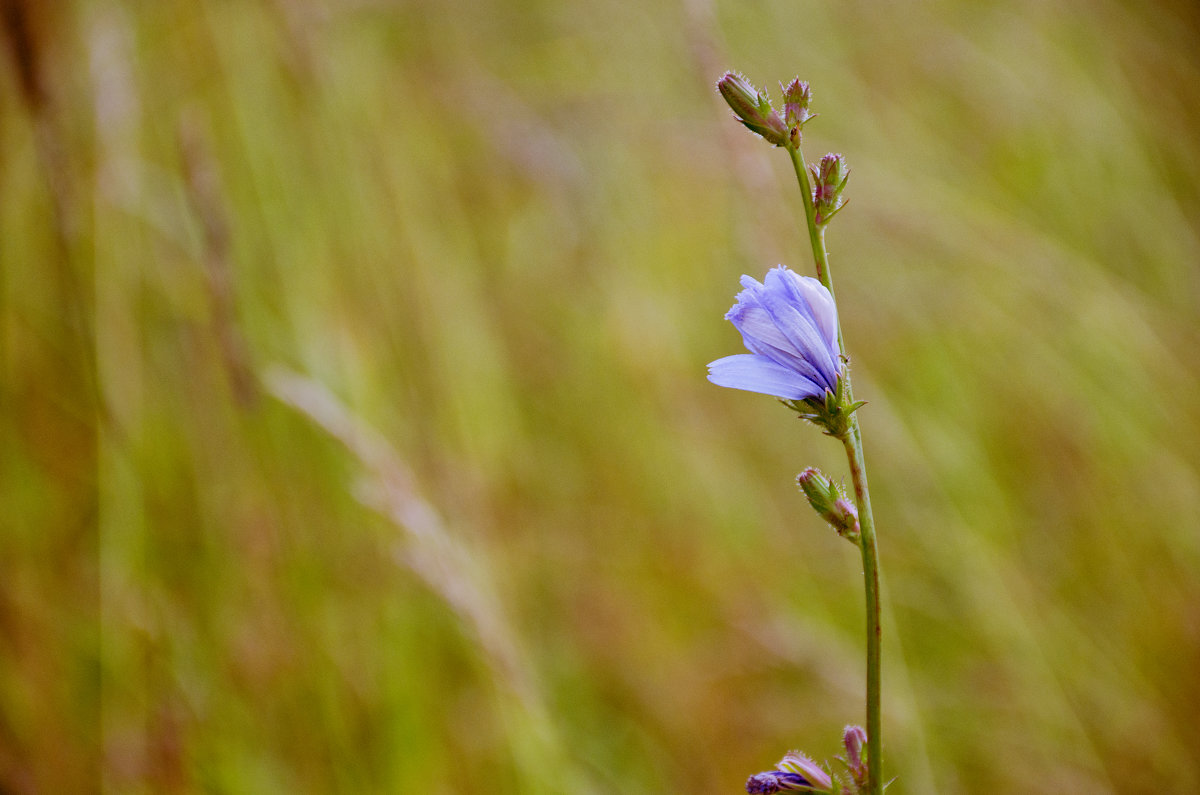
<point x="355" y="434"/>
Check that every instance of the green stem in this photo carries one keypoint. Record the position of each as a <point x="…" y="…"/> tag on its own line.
<point x="870" y="558"/>
<point x="816" y="234"/>
<point x="852" y="441"/>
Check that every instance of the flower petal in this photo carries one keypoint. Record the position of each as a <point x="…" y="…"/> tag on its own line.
<point x="762" y="335"/>
<point x="821" y="303"/>
<point x="801" y="331"/>
<point x="811" y="298"/>
<point x="756" y="373"/>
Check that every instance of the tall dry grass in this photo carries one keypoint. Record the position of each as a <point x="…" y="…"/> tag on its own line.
<point x="501" y="236"/>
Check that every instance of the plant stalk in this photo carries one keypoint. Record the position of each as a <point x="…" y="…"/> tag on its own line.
<point x="852" y="441"/>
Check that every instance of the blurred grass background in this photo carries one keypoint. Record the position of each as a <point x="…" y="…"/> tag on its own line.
<point x="355" y="435"/>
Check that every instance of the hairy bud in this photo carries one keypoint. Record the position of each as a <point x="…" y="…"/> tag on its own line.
<point x="752" y="108"/>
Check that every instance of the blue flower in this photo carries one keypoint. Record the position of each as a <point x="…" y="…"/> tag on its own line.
<point x="795" y="773"/>
<point x="776" y="781"/>
<point x="789" y="325"/>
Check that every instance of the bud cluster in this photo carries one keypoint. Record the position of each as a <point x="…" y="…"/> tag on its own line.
<point x="753" y="109"/>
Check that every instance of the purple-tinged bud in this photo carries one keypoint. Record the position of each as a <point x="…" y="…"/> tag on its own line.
<point x="828" y="181"/>
<point x="834" y="171"/>
<point x="796" y="762"/>
<point x="752" y="108"/>
<point x="829" y="500"/>
<point x="845" y="516"/>
<point x="854" y="739"/>
<point x="797" y="96"/>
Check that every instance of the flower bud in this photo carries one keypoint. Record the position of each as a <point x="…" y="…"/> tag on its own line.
<point x="821" y="492"/>
<point x="796" y="98"/>
<point x="752" y="108"/>
<point x="829" y="500"/>
<point x="846" y="517"/>
<point x="854" y="739"/>
<point x="828" y="181"/>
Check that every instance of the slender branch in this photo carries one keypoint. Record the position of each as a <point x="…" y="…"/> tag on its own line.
<point x="852" y="441"/>
<point x="816" y="234"/>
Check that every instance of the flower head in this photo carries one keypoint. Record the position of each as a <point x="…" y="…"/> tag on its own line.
<point x="789" y="325"/>
<point x="776" y="781"/>
<point x="795" y="772"/>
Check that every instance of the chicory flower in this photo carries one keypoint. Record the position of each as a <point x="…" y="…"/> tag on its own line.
<point x="789" y="325"/>
<point x="795" y="773"/>
<point x="775" y="781"/>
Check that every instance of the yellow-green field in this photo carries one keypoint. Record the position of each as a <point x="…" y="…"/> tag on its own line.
<point x="355" y="435"/>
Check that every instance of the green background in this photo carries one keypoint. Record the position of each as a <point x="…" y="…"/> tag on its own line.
<point x="355" y="435"/>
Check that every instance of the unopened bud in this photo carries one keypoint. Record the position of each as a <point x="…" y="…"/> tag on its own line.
<point x="829" y="500"/>
<point x="828" y="181"/>
<point x="797" y="96"/>
<point x="845" y="518"/>
<point x="854" y="738"/>
<point x="819" y="489"/>
<point x="752" y="108"/>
